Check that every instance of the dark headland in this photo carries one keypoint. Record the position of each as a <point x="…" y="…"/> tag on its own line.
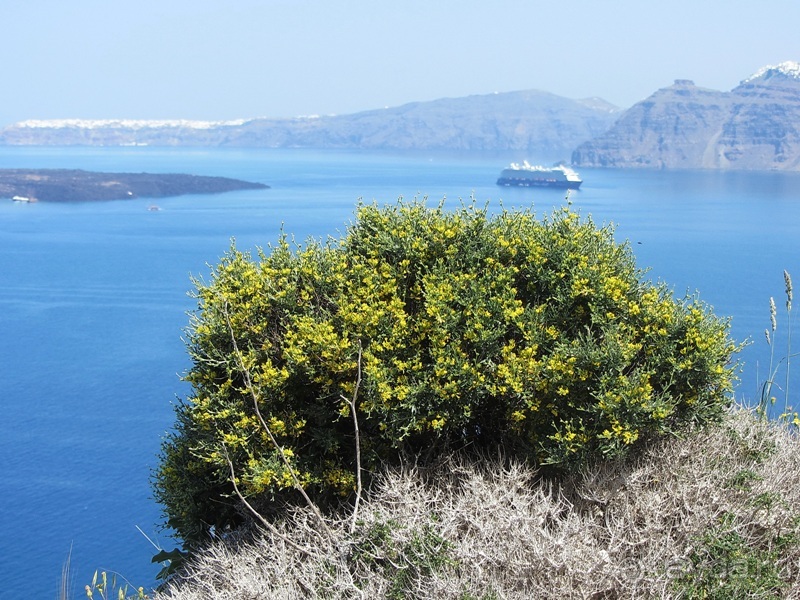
<point x="71" y="185"/>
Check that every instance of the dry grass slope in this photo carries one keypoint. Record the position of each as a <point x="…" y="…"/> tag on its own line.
<point x="714" y="514"/>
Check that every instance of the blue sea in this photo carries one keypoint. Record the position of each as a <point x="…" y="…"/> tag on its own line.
<point x="94" y="299"/>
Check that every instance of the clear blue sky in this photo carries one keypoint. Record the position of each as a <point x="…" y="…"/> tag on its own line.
<point x="228" y="59"/>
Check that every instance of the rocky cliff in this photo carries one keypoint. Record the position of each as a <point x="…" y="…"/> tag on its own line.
<point x="541" y="124"/>
<point x="754" y="126"/>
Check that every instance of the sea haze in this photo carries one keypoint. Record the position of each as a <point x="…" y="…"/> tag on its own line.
<point x="93" y="300"/>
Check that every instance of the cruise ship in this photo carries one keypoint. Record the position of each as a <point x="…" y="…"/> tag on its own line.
<point x="538" y="176"/>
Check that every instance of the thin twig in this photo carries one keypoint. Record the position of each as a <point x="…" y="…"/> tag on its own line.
<point x="152" y="543"/>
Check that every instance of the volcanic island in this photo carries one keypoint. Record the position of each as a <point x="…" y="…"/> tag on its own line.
<point x="74" y="185"/>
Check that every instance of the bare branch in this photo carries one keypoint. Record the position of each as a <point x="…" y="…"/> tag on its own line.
<point x="251" y="389"/>
<point x="352" y="403"/>
<point x="269" y="526"/>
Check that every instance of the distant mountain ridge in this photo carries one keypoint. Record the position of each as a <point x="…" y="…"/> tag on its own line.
<point x="754" y="126"/>
<point x="534" y="122"/>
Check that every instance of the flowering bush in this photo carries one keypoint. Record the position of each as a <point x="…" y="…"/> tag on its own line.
<point x="445" y="330"/>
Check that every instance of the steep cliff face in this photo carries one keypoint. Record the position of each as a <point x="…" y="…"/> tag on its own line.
<point x="542" y="124"/>
<point x="671" y="128"/>
<point x="763" y="129"/>
<point x="755" y="126"/>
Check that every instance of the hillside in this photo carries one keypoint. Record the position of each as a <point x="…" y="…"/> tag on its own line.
<point x="541" y="124"/>
<point x="754" y="126"/>
<point x="711" y="514"/>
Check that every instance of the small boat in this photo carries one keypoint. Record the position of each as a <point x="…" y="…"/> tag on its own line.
<point x="26" y="199"/>
<point x="529" y="176"/>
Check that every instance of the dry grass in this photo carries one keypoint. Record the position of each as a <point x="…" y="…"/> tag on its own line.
<point x="652" y="526"/>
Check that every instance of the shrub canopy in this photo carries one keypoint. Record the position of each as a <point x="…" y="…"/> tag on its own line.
<point x="464" y="329"/>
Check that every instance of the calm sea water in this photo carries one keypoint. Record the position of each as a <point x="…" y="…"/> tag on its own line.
<point x="93" y="299"/>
